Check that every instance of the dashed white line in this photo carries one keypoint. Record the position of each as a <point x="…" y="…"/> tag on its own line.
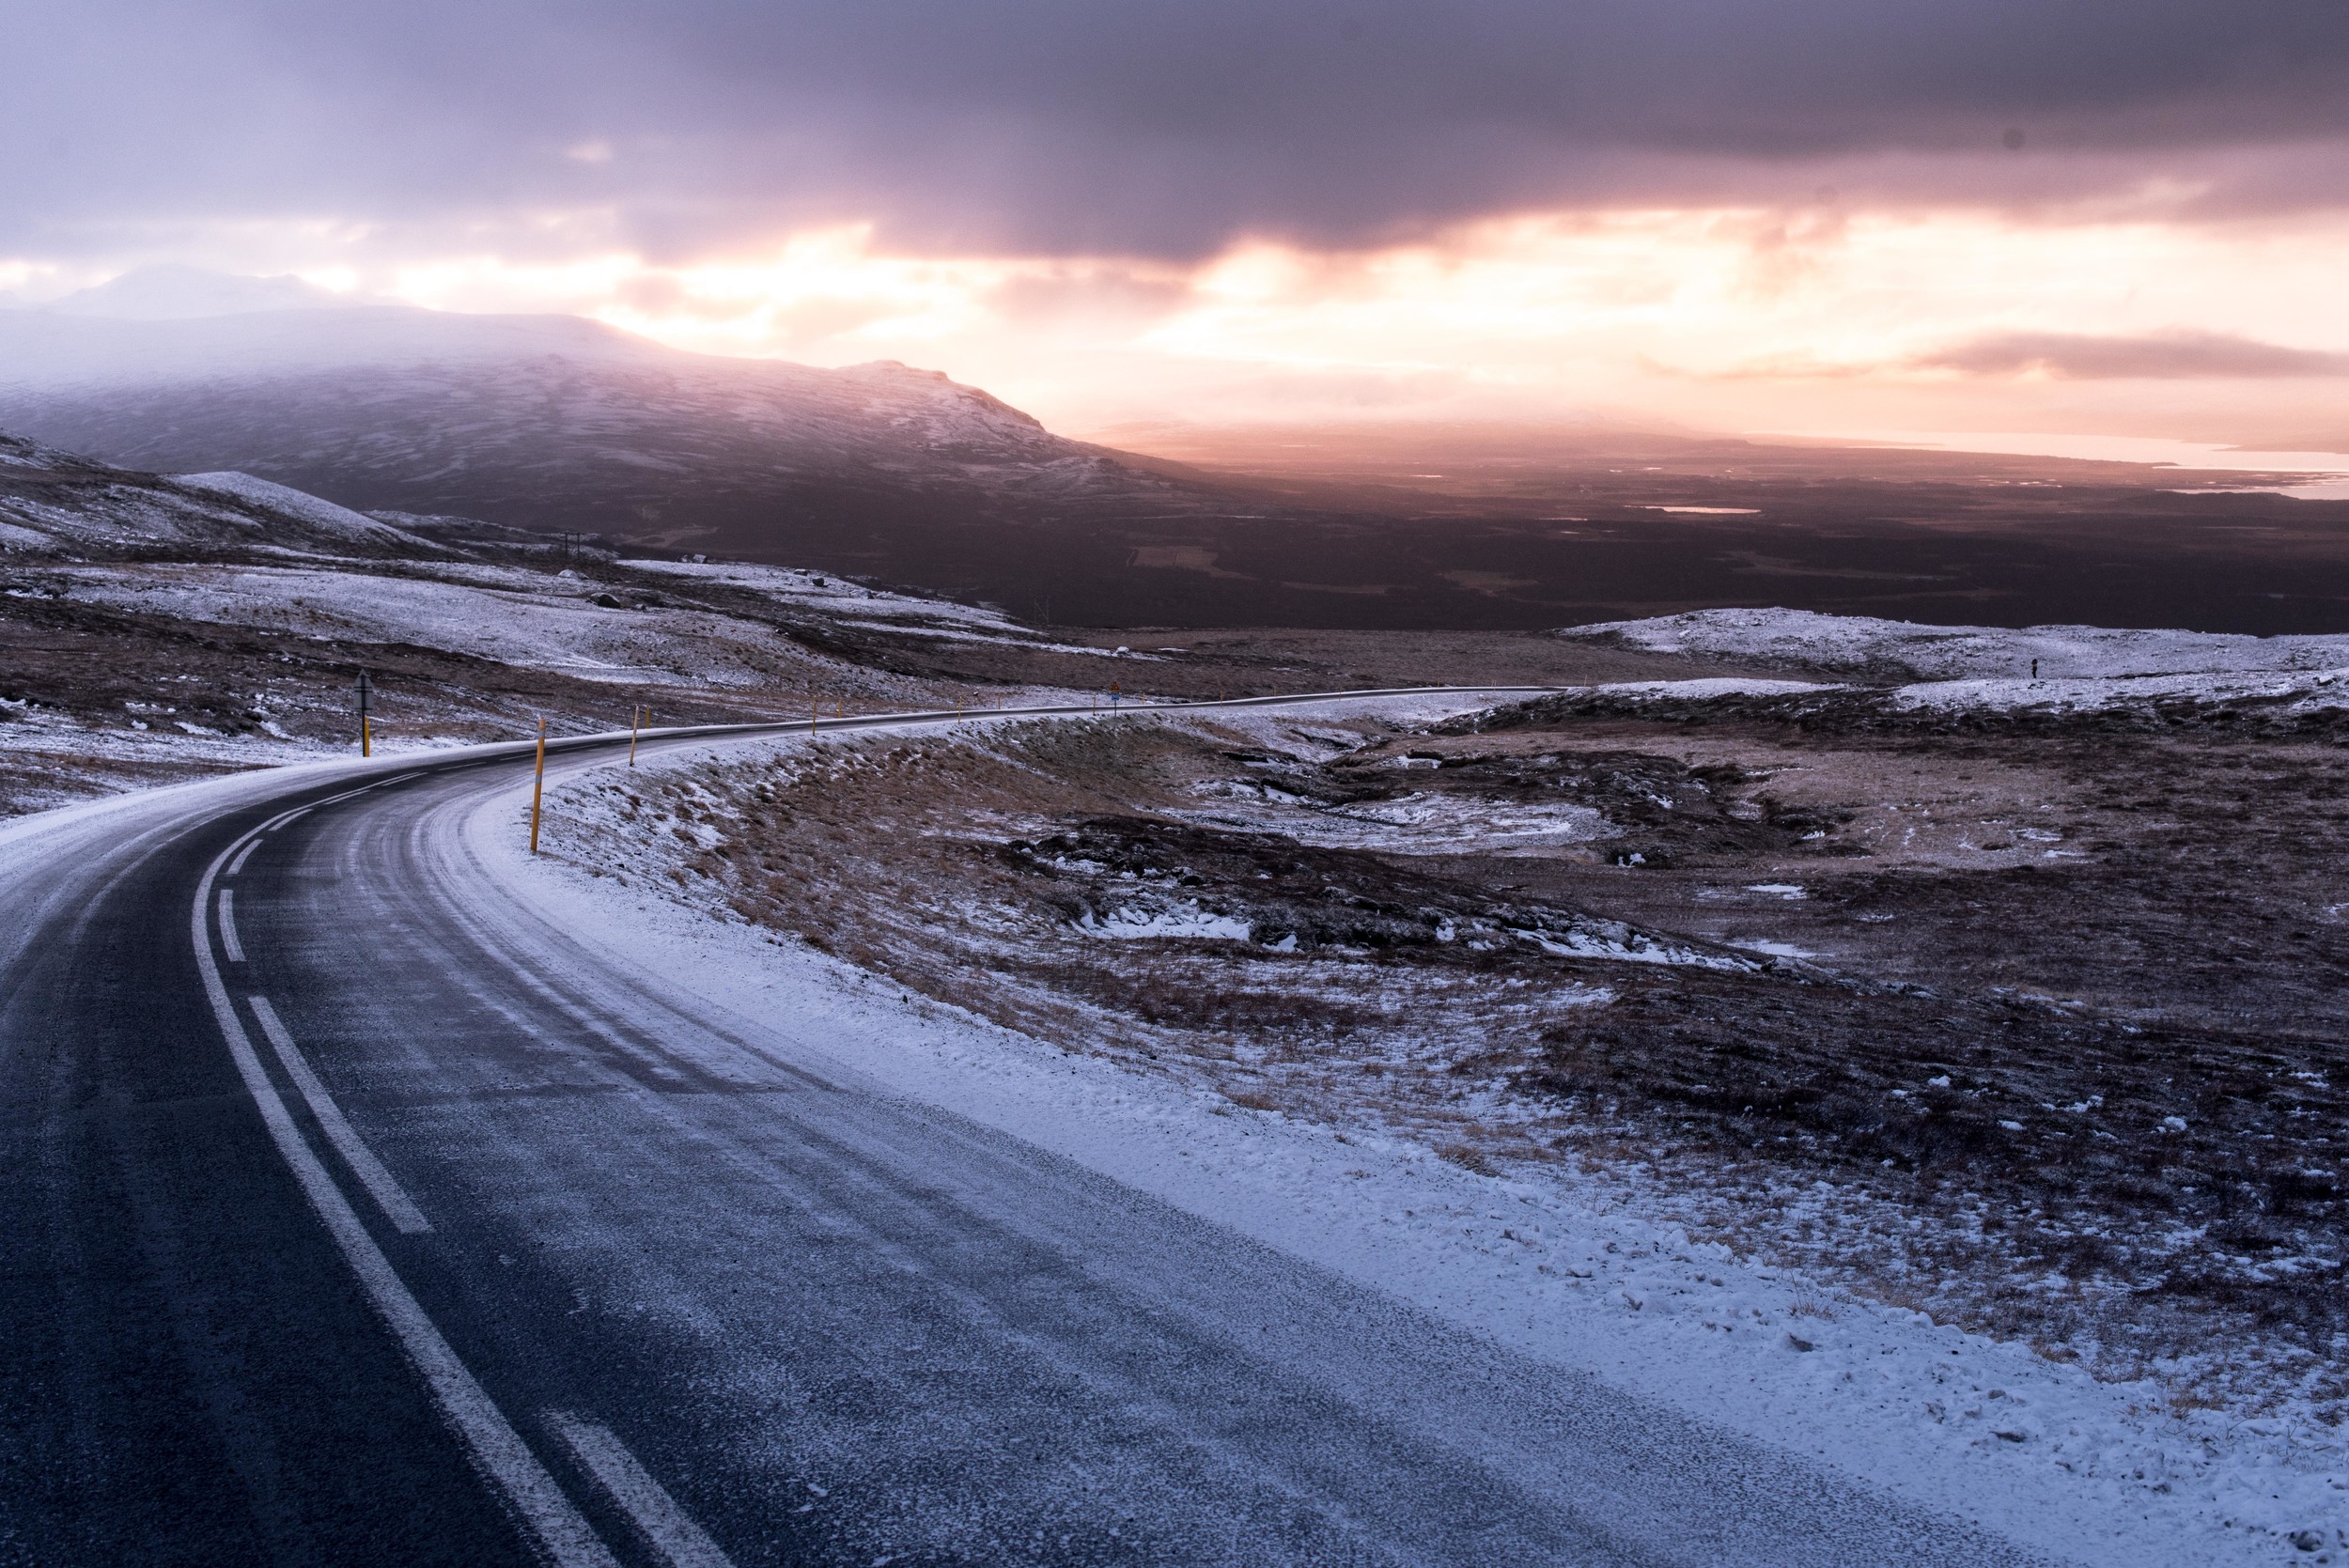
<point x="238" y="864"/>
<point x="229" y="942"/>
<point x="666" y="1528"/>
<point x="369" y="1170"/>
<point x="495" y="1447"/>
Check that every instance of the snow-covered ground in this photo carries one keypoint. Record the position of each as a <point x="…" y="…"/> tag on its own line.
<point x="66" y="735"/>
<point x="339" y="522"/>
<point x="1177" y="918"/>
<point x="1410" y="824"/>
<point x="1583" y="1270"/>
<point x="506" y="614"/>
<point x="60" y="760"/>
<point x="1860" y="644"/>
<point x="2071" y="668"/>
<point x="853" y="604"/>
<point x="2309" y="687"/>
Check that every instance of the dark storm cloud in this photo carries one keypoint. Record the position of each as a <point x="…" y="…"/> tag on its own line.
<point x="1137" y="127"/>
<point x="2161" y="356"/>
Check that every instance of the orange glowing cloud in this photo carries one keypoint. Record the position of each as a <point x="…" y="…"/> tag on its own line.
<point x="1812" y="319"/>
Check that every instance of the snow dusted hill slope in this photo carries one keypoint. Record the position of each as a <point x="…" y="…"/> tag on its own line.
<point x="336" y="521"/>
<point x="52" y="503"/>
<point x="155" y="627"/>
<point x="1905" y="651"/>
<point x="554" y="423"/>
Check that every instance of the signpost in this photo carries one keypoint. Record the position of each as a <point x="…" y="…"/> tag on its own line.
<point x="537" y="786"/>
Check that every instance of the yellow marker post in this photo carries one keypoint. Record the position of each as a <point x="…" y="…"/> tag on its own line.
<point x="635" y="722"/>
<point x="537" y="786"/>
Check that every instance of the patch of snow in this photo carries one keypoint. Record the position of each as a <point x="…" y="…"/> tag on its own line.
<point x="1632" y="947"/>
<point x="1186" y="919"/>
<point x="516" y="617"/>
<point x="2313" y="687"/>
<point x="1422" y="824"/>
<point x="1773" y="949"/>
<point x="1710" y="687"/>
<point x="320" y="514"/>
<point x="1861" y="644"/>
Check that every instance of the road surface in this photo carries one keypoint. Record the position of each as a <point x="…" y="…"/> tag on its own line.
<point x="355" y="1215"/>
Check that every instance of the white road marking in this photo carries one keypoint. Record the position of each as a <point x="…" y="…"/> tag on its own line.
<point x="496" y="1448"/>
<point x="669" y="1529"/>
<point x="276" y="822"/>
<point x="238" y="864"/>
<point x="339" y="1132"/>
<point x="229" y="942"/>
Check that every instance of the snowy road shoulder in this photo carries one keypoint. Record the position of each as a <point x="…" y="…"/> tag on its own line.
<point x="1565" y="1269"/>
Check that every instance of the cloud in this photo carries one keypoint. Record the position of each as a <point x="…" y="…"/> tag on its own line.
<point x="1113" y="296"/>
<point x="2159" y="356"/>
<point x="1147" y="128"/>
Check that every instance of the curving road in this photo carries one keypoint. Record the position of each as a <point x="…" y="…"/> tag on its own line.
<point x="355" y="1217"/>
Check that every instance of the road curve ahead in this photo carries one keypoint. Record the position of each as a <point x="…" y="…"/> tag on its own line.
<point x="355" y="1217"/>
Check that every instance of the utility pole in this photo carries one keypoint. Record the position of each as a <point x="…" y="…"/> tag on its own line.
<point x="366" y="738"/>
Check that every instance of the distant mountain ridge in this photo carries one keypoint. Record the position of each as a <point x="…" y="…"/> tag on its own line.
<point x="182" y="293"/>
<point x="552" y="422"/>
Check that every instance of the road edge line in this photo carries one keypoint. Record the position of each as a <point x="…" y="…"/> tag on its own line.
<point x="497" y="1449"/>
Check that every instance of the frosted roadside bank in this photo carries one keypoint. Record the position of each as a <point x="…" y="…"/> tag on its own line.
<point x="1862" y="644"/>
<point x="1564" y="1267"/>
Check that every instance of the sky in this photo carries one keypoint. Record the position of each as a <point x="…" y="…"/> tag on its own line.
<point x="2115" y="217"/>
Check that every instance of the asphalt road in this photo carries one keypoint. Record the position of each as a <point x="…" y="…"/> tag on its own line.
<point x="353" y="1216"/>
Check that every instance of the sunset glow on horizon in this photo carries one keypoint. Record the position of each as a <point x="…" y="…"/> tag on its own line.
<point x="1810" y="216"/>
<point x="1816" y="322"/>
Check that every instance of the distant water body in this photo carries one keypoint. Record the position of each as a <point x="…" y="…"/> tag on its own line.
<point x="2328" y="472"/>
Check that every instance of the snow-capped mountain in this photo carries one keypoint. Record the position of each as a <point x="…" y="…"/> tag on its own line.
<point x="554" y="422"/>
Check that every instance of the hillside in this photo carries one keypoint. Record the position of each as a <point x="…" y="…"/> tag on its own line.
<point x="554" y="424"/>
<point x="54" y="502"/>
